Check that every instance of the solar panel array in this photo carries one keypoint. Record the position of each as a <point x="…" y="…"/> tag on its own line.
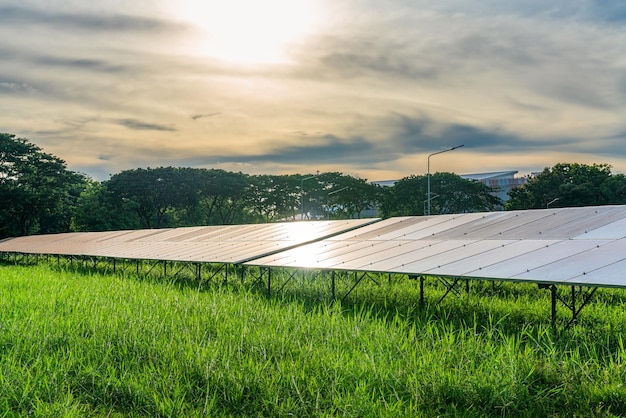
<point x="575" y="246"/>
<point x="213" y="244"/>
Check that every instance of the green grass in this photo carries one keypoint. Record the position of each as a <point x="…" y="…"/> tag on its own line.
<point x="91" y="344"/>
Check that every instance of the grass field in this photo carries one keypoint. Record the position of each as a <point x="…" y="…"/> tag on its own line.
<point x="91" y="344"/>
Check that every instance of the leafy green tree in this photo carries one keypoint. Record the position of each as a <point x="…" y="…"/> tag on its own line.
<point x="459" y="195"/>
<point x="273" y="197"/>
<point x="37" y="192"/>
<point x="405" y="198"/>
<point x="347" y="196"/>
<point x="450" y="193"/>
<point x="96" y="210"/>
<point x="336" y="195"/>
<point x="614" y="189"/>
<point x="312" y="191"/>
<point x="222" y="196"/>
<point x="155" y="194"/>
<point x="566" y="185"/>
<point x="163" y="197"/>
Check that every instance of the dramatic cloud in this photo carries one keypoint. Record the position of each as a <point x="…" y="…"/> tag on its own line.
<point x="366" y="90"/>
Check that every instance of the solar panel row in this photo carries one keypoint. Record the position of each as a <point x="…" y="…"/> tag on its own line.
<point x="211" y="244"/>
<point x="574" y="246"/>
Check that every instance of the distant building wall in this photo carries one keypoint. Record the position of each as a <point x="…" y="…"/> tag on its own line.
<point x="502" y="181"/>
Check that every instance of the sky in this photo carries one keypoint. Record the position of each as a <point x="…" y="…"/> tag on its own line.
<point x="363" y="87"/>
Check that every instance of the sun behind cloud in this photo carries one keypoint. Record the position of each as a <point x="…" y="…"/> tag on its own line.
<point x="249" y="31"/>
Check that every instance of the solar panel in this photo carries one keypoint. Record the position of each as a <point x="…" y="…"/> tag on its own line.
<point x="215" y="244"/>
<point x="584" y="246"/>
<point x="580" y="246"/>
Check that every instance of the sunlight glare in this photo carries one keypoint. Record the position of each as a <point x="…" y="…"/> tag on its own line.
<point x="249" y="31"/>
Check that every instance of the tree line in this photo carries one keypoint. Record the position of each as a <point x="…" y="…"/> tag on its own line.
<point x="39" y="195"/>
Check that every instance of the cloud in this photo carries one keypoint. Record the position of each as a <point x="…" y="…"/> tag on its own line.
<point x="405" y="136"/>
<point x="368" y="58"/>
<point x="79" y="64"/>
<point x="138" y="125"/>
<point x="507" y="49"/>
<point x="11" y="87"/>
<point x="606" y="11"/>
<point x="420" y="135"/>
<point x="20" y="16"/>
<point x="375" y="87"/>
<point x="314" y="149"/>
<point x="206" y="115"/>
<point x="423" y="135"/>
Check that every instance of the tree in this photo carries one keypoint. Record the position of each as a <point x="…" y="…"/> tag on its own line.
<point x="37" y="192"/>
<point x="333" y="194"/>
<point x="567" y="185"/>
<point x="96" y="210"/>
<point x="347" y="196"/>
<point x="273" y="197"/>
<point x="155" y="194"/>
<point x="450" y="193"/>
<point x="405" y="198"/>
<point x="222" y="196"/>
<point x="614" y="189"/>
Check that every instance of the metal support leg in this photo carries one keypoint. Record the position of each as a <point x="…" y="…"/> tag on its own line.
<point x="422" y="290"/>
<point x="332" y="284"/>
<point x="586" y="298"/>
<point x="573" y="303"/>
<point x="357" y="280"/>
<point x="451" y="287"/>
<point x="554" y="297"/>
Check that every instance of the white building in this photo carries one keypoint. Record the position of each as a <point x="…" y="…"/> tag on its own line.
<point x="502" y="181"/>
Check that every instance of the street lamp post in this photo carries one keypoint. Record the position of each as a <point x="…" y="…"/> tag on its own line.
<point x="302" y="193"/>
<point x="428" y="176"/>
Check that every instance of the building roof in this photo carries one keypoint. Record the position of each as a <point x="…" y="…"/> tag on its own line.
<point x="491" y="175"/>
<point x="475" y="176"/>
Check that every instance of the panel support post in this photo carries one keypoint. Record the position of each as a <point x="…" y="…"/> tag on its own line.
<point x="332" y="284"/>
<point x="573" y="303"/>
<point x="269" y="282"/>
<point x="421" y="290"/>
<point x="554" y="297"/>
